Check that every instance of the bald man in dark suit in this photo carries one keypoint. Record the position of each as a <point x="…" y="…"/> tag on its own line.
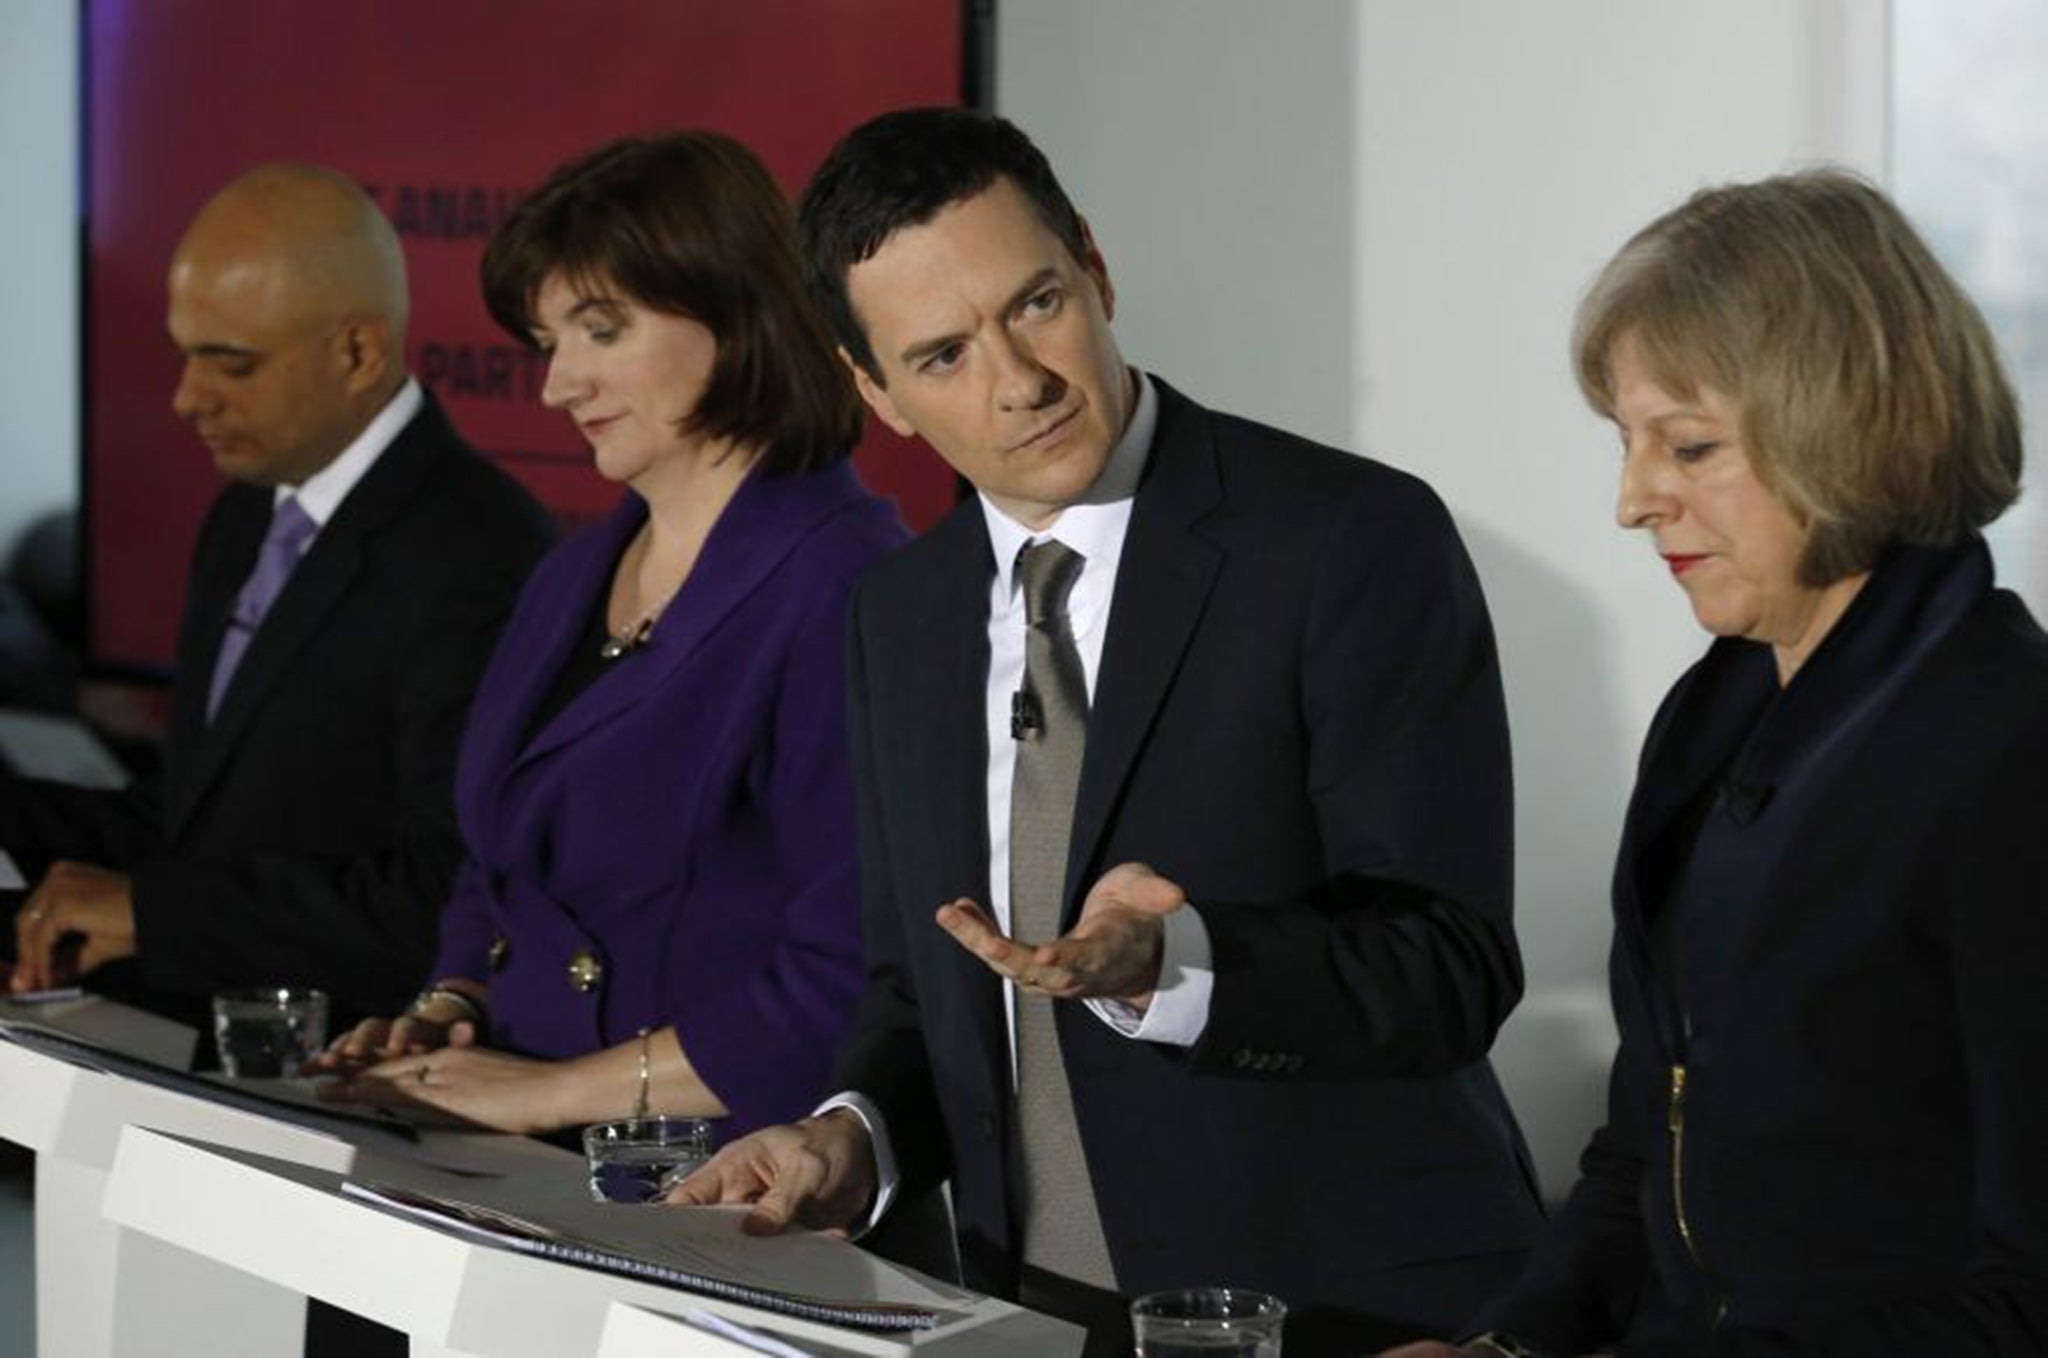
<point x="346" y="589"/>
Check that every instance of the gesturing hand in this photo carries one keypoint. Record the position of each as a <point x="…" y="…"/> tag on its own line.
<point x="1112" y="952"/>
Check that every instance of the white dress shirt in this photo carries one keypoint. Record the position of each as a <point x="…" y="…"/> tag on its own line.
<point x="322" y="493"/>
<point x="1093" y="528"/>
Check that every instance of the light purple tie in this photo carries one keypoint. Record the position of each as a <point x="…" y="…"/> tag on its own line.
<point x="291" y="528"/>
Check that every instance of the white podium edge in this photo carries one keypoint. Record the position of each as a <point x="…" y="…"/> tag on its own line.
<point x="275" y="1228"/>
<point x="294" y="1230"/>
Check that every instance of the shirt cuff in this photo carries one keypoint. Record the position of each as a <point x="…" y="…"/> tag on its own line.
<point x="1187" y="977"/>
<point x="887" y="1181"/>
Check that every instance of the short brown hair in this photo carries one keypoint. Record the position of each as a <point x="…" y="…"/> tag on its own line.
<point x="1872" y="400"/>
<point x="689" y="223"/>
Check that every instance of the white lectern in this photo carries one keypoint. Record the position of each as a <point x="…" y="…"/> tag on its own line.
<point x="455" y="1296"/>
<point x="169" y="1222"/>
<point x="87" y="1283"/>
<point x="102" y="1292"/>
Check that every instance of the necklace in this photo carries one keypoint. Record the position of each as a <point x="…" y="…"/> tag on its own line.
<point x="627" y="639"/>
<point x="635" y="634"/>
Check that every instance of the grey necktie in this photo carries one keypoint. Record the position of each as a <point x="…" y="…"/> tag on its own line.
<point x="1062" y="1230"/>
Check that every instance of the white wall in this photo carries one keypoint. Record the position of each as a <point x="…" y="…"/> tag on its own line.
<point x="38" y="261"/>
<point x="1369" y="222"/>
<point x="1970" y="164"/>
<point x="1211" y="145"/>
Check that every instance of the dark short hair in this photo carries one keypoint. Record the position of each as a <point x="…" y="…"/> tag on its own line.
<point x="689" y="223"/>
<point x="1871" y="397"/>
<point x="902" y="169"/>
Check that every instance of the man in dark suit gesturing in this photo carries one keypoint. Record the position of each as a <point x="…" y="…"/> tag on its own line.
<point x="1191" y="733"/>
<point x="345" y="593"/>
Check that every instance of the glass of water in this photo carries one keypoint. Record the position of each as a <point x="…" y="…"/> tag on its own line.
<point x="636" y="1159"/>
<point x="266" y="1033"/>
<point x="1208" y="1322"/>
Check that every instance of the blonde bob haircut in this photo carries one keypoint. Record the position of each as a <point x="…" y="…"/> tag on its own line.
<point x="1871" y="398"/>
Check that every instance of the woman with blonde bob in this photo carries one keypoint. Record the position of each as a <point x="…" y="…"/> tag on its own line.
<point x="1826" y="1131"/>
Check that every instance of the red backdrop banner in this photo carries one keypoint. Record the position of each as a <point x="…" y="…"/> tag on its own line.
<point x="447" y="112"/>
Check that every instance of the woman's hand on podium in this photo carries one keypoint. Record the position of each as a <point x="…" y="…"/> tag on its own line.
<point x="471" y="1084"/>
<point x="485" y="1087"/>
<point x="375" y="1040"/>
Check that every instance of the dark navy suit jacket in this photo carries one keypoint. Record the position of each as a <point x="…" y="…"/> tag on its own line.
<point x="1298" y="719"/>
<point x="687" y="819"/>
<point x="1851" y="876"/>
<point x="306" y="834"/>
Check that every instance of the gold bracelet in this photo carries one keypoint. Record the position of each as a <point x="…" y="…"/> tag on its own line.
<point x="640" y="1104"/>
<point x="471" y="1010"/>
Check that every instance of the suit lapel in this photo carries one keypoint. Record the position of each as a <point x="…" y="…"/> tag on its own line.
<point x="319" y="583"/>
<point x="544" y="629"/>
<point x="1706" y="719"/>
<point x="217" y="575"/>
<point x="1713" y="710"/>
<point x="766" y="519"/>
<point x="1162" y="587"/>
<point x="938" y="665"/>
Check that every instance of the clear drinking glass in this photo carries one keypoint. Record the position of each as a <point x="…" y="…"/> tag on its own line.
<point x="636" y="1159"/>
<point x="1208" y="1322"/>
<point x="268" y="1032"/>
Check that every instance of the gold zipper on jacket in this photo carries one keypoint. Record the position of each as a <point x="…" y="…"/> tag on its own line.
<point x="1678" y="1163"/>
<point x="1677" y="1124"/>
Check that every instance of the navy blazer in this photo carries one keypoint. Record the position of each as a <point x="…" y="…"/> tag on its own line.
<point x="1826" y="1133"/>
<point x="686" y="819"/>
<point x="1298" y="719"/>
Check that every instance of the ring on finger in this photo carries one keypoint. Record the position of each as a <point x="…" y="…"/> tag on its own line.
<point x="420" y="1072"/>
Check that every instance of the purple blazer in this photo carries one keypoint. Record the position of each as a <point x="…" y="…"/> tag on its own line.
<point x="686" y="821"/>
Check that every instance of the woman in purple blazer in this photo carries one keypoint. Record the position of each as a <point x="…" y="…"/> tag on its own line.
<point x="660" y="906"/>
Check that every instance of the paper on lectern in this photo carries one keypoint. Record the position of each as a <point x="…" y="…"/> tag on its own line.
<point x="699" y="1249"/>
